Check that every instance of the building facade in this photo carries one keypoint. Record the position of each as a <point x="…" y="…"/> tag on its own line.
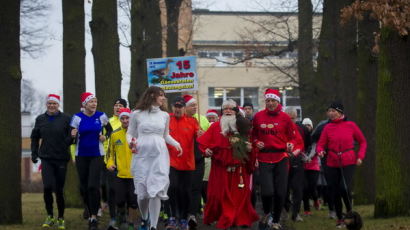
<point x="240" y="54"/>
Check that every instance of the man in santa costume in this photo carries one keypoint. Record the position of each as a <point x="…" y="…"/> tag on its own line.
<point x="226" y="142"/>
<point x="276" y="137"/>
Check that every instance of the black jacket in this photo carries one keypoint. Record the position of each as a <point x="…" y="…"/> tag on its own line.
<point x="305" y="134"/>
<point x="318" y="130"/>
<point x="55" y="134"/>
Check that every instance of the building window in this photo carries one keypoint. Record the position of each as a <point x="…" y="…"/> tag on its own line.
<point x="213" y="54"/>
<point x="226" y="54"/>
<point x="202" y="54"/>
<point x="240" y="95"/>
<point x="238" y="55"/>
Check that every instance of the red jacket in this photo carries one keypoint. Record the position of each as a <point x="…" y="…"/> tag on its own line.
<point x="314" y="163"/>
<point x="339" y="136"/>
<point x="274" y="129"/>
<point x="184" y="131"/>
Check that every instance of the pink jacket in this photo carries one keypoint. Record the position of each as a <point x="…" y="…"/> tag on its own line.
<point x="313" y="165"/>
<point x="337" y="140"/>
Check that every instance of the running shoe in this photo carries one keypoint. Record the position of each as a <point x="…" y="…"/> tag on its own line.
<point x="86" y="214"/>
<point x="276" y="226"/>
<point x="144" y="225"/>
<point x="60" y="223"/>
<point x="100" y="212"/>
<point x="192" y="222"/>
<point x="183" y="225"/>
<point x="93" y="224"/>
<point x="48" y="222"/>
<point x="307" y="213"/>
<point x="298" y="218"/>
<point x="163" y="216"/>
<point x="284" y="215"/>
<point x="171" y="224"/>
<point x="340" y="224"/>
<point x="131" y="226"/>
<point x="112" y="225"/>
<point x="111" y="228"/>
<point x="316" y="204"/>
<point x="265" y="222"/>
<point x="332" y="215"/>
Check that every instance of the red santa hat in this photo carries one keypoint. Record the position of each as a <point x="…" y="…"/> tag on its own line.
<point x="124" y="112"/>
<point x="53" y="97"/>
<point x="188" y="99"/>
<point x="86" y="97"/>
<point x="241" y="111"/>
<point x="211" y="112"/>
<point x="272" y="93"/>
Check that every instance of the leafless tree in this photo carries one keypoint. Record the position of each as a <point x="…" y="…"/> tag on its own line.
<point x="124" y="22"/>
<point x="280" y="36"/>
<point x="31" y="100"/>
<point x="33" y="32"/>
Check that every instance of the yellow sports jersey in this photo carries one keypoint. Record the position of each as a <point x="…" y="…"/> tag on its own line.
<point x="115" y="124"/>
<point x="119" y="153"/>
<point x="204" y="123"/>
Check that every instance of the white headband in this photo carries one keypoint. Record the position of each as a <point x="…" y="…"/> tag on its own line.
<point x="53" y="99"/>
<point x="192" y="100"/>
<point x="273" y="96"/>
<point x="124" y="114"/>
<point x="87" y="99"/>
<point x="212" y="114"/>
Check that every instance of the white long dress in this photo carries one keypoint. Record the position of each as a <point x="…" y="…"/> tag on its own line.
<point x="150" y="166"/>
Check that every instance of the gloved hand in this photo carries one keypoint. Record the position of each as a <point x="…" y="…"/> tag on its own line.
<point x="34" y="159"/>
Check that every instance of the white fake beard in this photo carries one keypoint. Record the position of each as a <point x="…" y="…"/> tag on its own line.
<point x="228" y="124"/>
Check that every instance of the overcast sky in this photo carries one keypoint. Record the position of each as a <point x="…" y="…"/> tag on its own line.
<point x="46" y="71"/>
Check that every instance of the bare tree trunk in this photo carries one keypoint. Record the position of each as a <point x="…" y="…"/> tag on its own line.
<point x="305" y="55"/>
<point x="137" y="82"/>
<point x="392" y="141"/>
<point x="153" y="29"/>
<point x="73" y="79"/>
<point x="73" y="54"/>
<point x="106" y="53"/>
<point x="366" y="105"/>
<point x="173" y="8"/>
<point x="337" y="60"/>
<point x="326" y="74"/>
<point x="10" y="133"/>
<point x="146" y="42"/>
<point x="346" y="60"/>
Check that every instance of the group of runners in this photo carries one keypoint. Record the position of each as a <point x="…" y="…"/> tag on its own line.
<point x="146" y="162"/>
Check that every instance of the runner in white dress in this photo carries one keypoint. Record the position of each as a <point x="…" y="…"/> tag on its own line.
<point x="149" y="130"/>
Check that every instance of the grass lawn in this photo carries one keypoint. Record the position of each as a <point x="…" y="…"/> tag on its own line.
<point x="34" y="215"/>
<point x="320" y="221"/>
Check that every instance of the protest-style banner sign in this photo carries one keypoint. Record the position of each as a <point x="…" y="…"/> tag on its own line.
<point x="173" y="74"/>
